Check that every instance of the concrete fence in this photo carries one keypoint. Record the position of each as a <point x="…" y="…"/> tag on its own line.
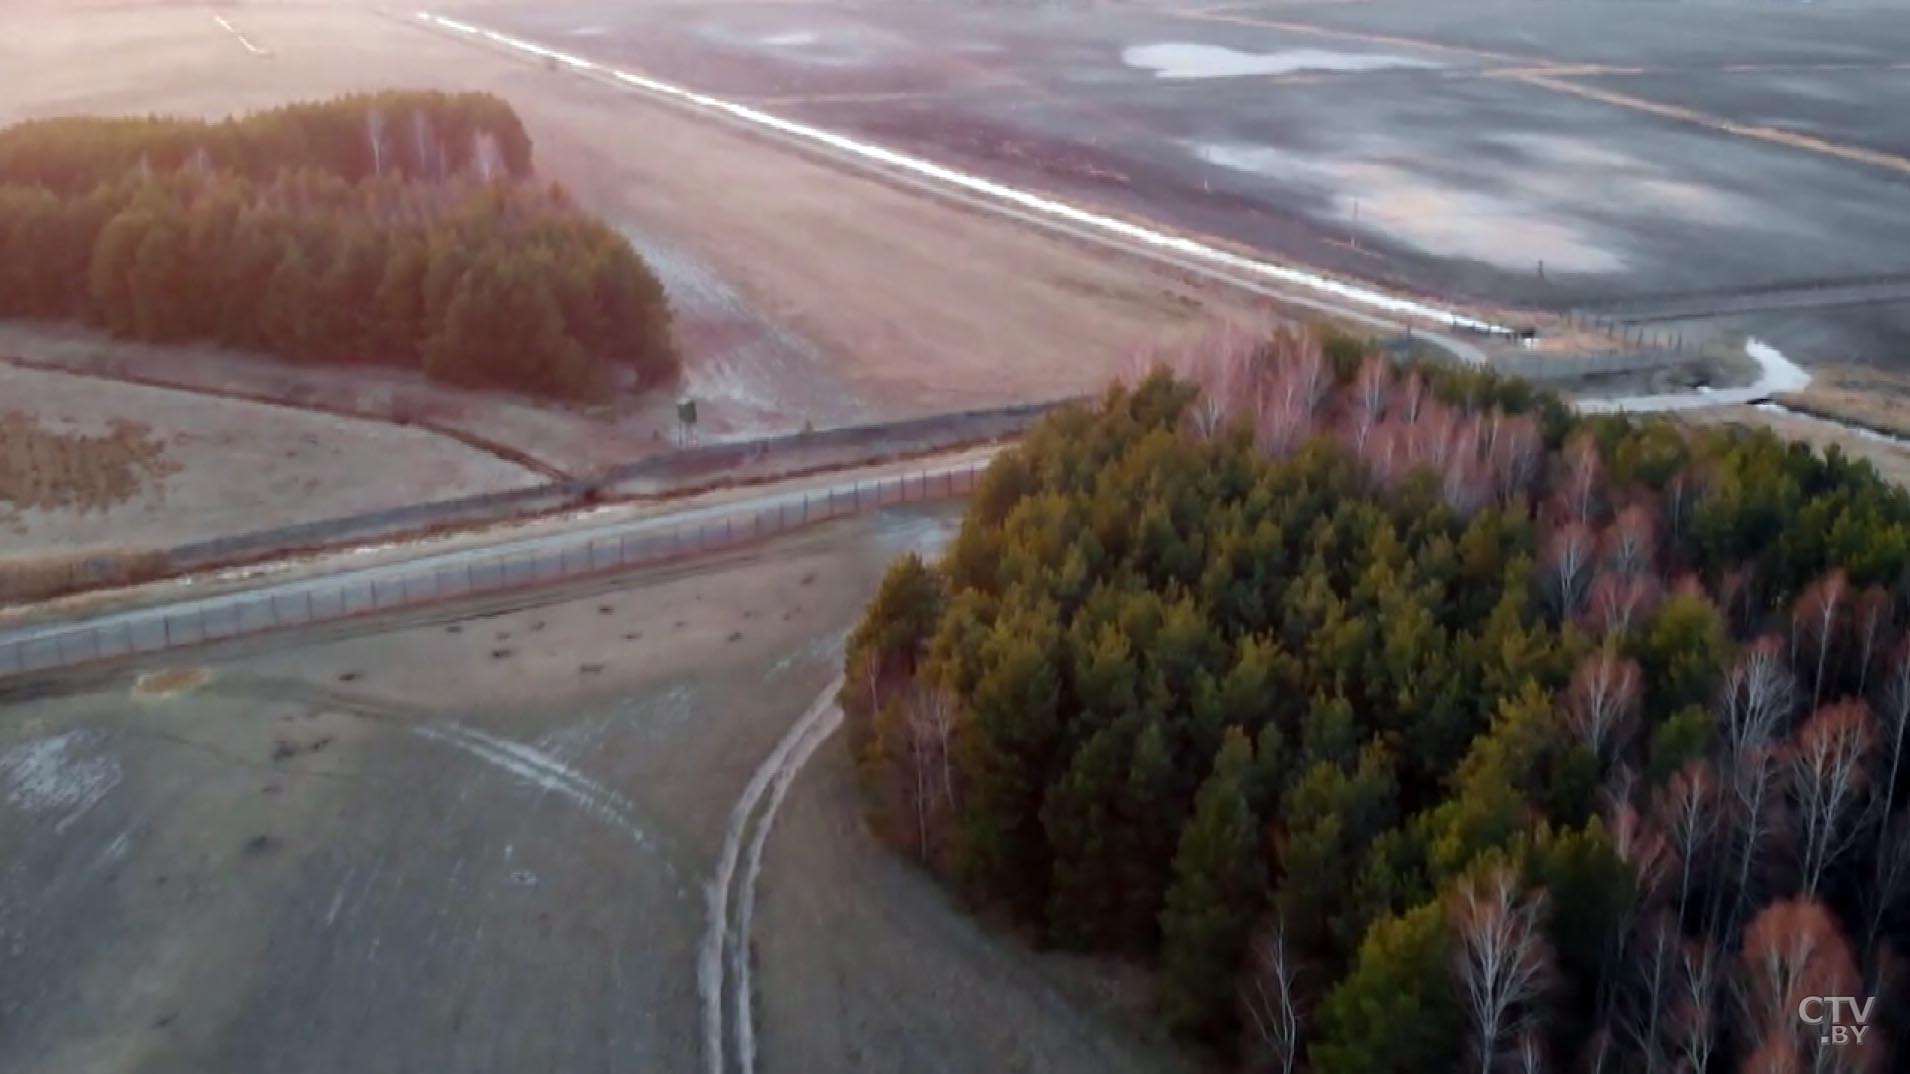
<point x="451" y="575"/>
<point x="685" y="468"/>
<point x="1545" y="368"/>
<point x="1627" y="333"/>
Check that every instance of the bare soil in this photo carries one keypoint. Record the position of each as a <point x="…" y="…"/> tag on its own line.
<point x="54" y="469"/>
<point x="104" y="467"/>
<point x="477" y="839"/>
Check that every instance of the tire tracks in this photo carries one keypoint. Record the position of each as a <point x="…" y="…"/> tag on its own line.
<point x="723" y="958"/>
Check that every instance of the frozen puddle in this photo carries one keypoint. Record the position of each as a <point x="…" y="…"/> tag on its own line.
<point x="1776" y="373"/>
<point x="1174" y="59"/>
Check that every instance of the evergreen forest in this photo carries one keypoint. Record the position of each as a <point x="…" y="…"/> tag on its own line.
<point x="1402" y="721"/>
<point x="399" y="229"/>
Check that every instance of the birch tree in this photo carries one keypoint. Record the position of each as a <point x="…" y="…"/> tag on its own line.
<point x="1758" y="697"/>
<point x="1689" y="811"/>
<point x="1602" y="703"/>
<point x="1694" y="1007"/>
<point x="1828" y="771"/>
<point x="1816" y="624"/>
<point x="1500" y="960"/>
<point x="1567" y="566"/>
<point x="1270" y="997"/>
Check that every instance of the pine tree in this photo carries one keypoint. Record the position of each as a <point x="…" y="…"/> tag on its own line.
<point x="1395" y="1011"/>
<point x="111" y="297"/>
<point x="1006" y="754"/>
<point x="289" y="318"/>
<point x="1216" y="895"/>
<point x="161" y="307"/>
<point x="1152" y="810"/>
<point x="1082" y="816"/>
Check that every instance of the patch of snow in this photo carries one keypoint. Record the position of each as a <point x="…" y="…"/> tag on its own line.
<point x="547" y="773"/>
<point x="1777" y="373"/>
<point x="792" y="38"/>
<point x="1184" y="60"/>
<point x="58" y="776"/>
<point x="1059" y="210"/>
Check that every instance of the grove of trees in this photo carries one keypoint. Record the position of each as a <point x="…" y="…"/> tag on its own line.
<point x="396" y="228"/>
<point x="1405" y="722"/>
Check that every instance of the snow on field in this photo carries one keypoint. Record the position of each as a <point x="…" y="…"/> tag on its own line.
<point x="1182" y="60"/>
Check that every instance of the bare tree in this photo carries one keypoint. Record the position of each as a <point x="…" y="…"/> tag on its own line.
<point x="1758" y="696"/>
<point x="375" y="138"/>
<point x="1893" y="727"/>
<point x="1567" y="567"/>
<point x="1270" y="997"/>
<point x="1816" y="623"/>
<point x="1600" y="1053"/>
<point x="1755" y="789"/>
<point x="1637" y="840"/>
<point x="1516" y="448"/>
<point x="1578" y="490"/>
<point x="1372" y="387"/>
<point x="1298" y="354"/>
<point x="1631" y="541"/>
<point x="1890" y="882"/>
<point x="1617" y="601"/>
<point x="931" y="715"/>
<point x="1602" y="703"/>
<point x="1775" y="1053"/>
<point x="487" y="158"/>
<point x="1694" y="1008"/>
<point x="1793" y="949"/>
<point x="1682" y="494"/>
<point x="1735" y="597"/>
<point x="1501" y="960"/>
<point x="1412" y="396"/>
<point x="1528" y="1053"/>
<point x="1689" y="811"/>
<point x="424" y="143"/>
<point x="1869" y="620"/>
<point x="1828" y="770"/>
<point x="1224" y="365"/>
<point x="1654" y="961"/>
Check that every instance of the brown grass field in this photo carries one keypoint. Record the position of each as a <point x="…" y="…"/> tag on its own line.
<point x="805" y="294"/>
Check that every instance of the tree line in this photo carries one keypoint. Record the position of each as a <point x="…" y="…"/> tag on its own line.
<point x="1405" y="722"/>
<point x="383" y="250"/>
<point x="411" y="134"/>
